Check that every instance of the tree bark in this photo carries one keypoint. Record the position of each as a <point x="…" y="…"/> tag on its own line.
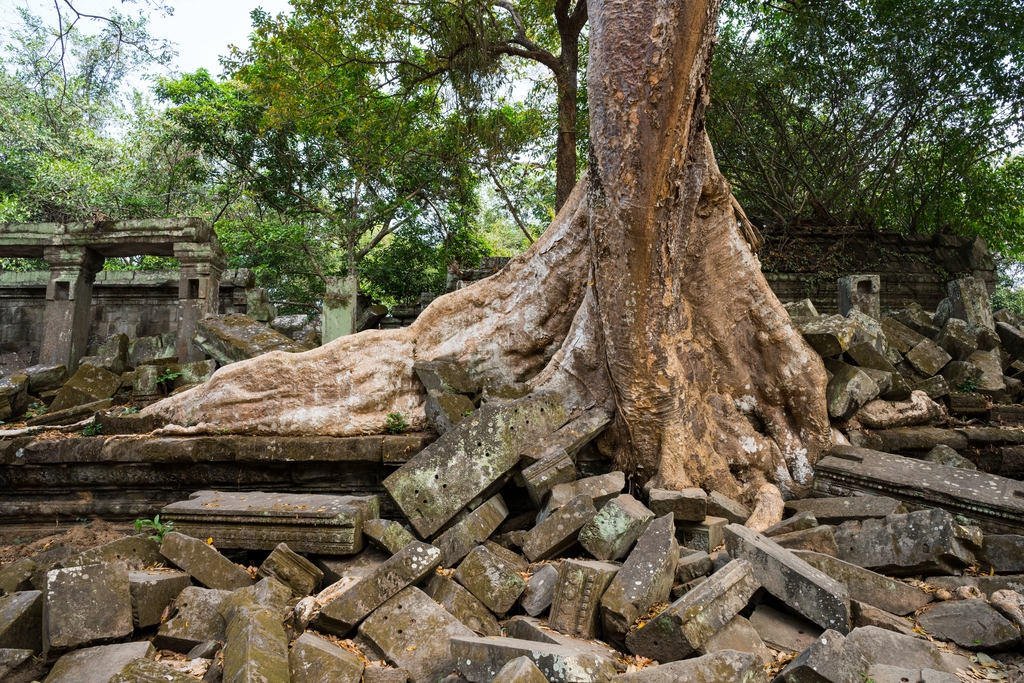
<point x="643" y="298"/>
<point x="568" y="87"/>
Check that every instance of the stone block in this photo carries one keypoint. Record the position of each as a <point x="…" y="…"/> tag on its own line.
<point x="1003" y="553"/>
<point x="520" y="670"/>
<point x="928" y="358"/>
<point x="867" y="330"/>
<point x="462" y="605"/>
<point x="253" y="520"/>
<point x="464" y="463"/>
<point x="601" y="489"/>
<point x="471" y="531"/>
<point x="807" y="590"/>
<point x="880" y="673"/>
<point x="961" y="376"/>
<point x="510" y="558"/>
<point x="388" y="535"/>
<point x="862" y="293"/>
<point x="706" y="535"/>
<point x="990" y="366"/>
<point x="798" y="522"/>
<point x="837" y="510"/>
<point x="782" y="631"/>
<point x="968" y="299"/>
<point x="819" y="539"/>
<point x="98" y="664"/>
<point x="540" y="591"/>
<point x="416" y="634"/>
<point x="971" y="624"/>
<point x="848" y="390"/>
<point x="136" y="552"/>
<point x="315" y="660"/>
<point x="445" y="375"/>
<point x="444" y="410"/>
<point x="481" y="659"/>
<point x="682" y="627"/>
<point x="150" y="671"/>
<point x="558" y="532"/>
<point x="88" y="385"/>
<point x="256" y="648"/>
<point x="490" y="579"/>
<point x="232" y="338"/>
<point x="727" y="508"/>
<point x="688" y="505"/>
<point x="291" y="569"/>
<point x="615" y="528"/>
<point x="13" y="396"/>
<point x="529" y="628"/>
<point x="152" y="591"/>
<point x="203" y="563"/>
<point x="865" y="615"/>
<point x="957" y="339"/>
<point x="727" y="666"/>
<point x="335" y="567"/>
<point x="830" y="659"/>
<point x="801" y="309"/>
<point x="195" y="619"/>
<point x="899" y="336"/>
<point x="1010" y="336"/>
<point x="692" y="564"/>
<point x="86" y="605"/>
<point x="828" y="335"/>
<point x="16" y="576"/>
<point x="935" y="387"/>
<point x="946" y="456"/>
<point x="915" y="317"/>
<point x="45" y="377"/>
<point x="881" y="646"/>
<point x="21" y="621"/>
<point x="407" y="567"/>
<point x="378" y="674"/>
<point x="644" y="580"/>
<point x="867" y="586"/>
<point x="575" y="604"/>
<point x="738" y="635"/>
<point x="11" y="659"/>
<point x="542" y="476"/>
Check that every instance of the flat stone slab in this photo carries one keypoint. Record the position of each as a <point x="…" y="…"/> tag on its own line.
<point x="308" y="523"/>
<point x="782" y="631"/>
<point x="256" y="647"/>
<point x="728" y="666"/>
<point x="615" y="528"/>
<point x="706" y="535"/>
<point x="889" y="648"/>
<point x="559" y="531"/>
<point x="86" y="605"/>
<point x="601" y="489"/>
<point x="315" y="660"/>
<point x="137" y="552"/>
<point x="819" y="539"/>
<point x="577" y="598"/>
<point x="530" y="628"/>
<point x="555" y="468"/>
<point x="496" y="584"/>
<point x="415" y="634"/>
<point x="195" y="619"/>
<point x="521" y="670"/>
<point x="971" y="624"/>
<point x="738" y="635"/>
<point x="830" y="658"/>
<point x="21" y="621"/>
<point x="1003" y="553"/>
<point x="15" y="576"/>
<point x="203" y="563"/>
<point x="446" y="476"/>
<point x="388" y="535"/>
<point x="149" y="671"/>
<point x="842" y="509"/>
<point x="151" y="591"/>
<point x="994" y="503"/>
<point x="866" y="586"/>
<point x="471" y="531"/>
<point x="291" y="569"/>
<point x="723" y="506"/>
<point x="688" y="505"/>
<point x="462" y="605"/>
<point x="809" y="591"/>
<point x="481" y="659"/>
<point x="98" y="664"/>
<point x="540" y="591"/>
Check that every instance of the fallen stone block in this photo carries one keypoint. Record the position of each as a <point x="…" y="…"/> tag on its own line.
<point x="867" y="586"/>
<point x="529" y="628"/>
<point x="888" y="415"/>
<point x="480" y="660"/>
<point x="559" y="532"/>
<point x="379" y="674"/>
<point x="946" y="456"/>
<point x="86" y="605"/>
<point x="681" y="589"/>
<point x="89" y="385"/>
<point x="315" y="660"/>
<point x="957" y="339"/>
<point x="12" y="659"/>
<point x="232" y="338"/>
<point x="256" y="647"/>
<point x="880" y="646"/>
<point x="572" y="436"/>
<point x="203" y="563"/>
<point x="988" y="362"/>
<point x="738" y="635"/>
<point x="445" y="375"/>
<point x="601" y="489"/>
<point x="809" y="591"/>
<point x="195" y="619"/>
<point x="880" y="673"/>
<point x="336" y="567"/>
<point x="682" y="627"/>
<point x="899" y="336"/>
<point x="785" y="632"/>
<point x="152" y="591"/>
<point x="542" y="476"/>
<point x="907" y="439"/>
<point x="294" y="571"/>
<point x="45" y="377"/>
<point x="575" y="605"/>
<point x="727" y="666"/>
<point x="727" y="508"/>
<point x="98" y="664"/>
<point x="16" y="576"/>
<point x="416" y="634"/>
<point x="961" y="376"/>
<point x="136" y="552"/>
<point x="928" y="358"/>
<point x="615" y="528"/>
<point x="448" y="474"/>
<point x="308" y="523"/>
<point x="150" y="671"/>
<point x="1010" y="336"/>
<point x="968" y="298"/>
<point x="540" y="591"/>
<point x="406" y="568"/>
<point x="388" y="535"/>
<point x="986" y="584"/>
<point x="830" y="658"/>
<point x="798" y="522"/>
<point x="828" y="335"/>
<point x="444" y="410"/>
<point x="916" y="318"/>
<point x="21" y="621"/>
<point x="510" y="558"/>
<point x="819" y="539"/>
<point x="520" y="670"/>
<point x="935" y="387"/>
<point x="864" y="614"/>
<point x="971" y="624"/>
<point x="1003" y="553"/>
<point x="471" y="531"/>
<point x="688" y="505"/>
<point x="491" y="580"/>
<point x="692" y="564"/>
<point x="801" y="309"/>
<point x="706" y="535"/>
<point x="848" y="390"/>
<point x="462" y="605"/>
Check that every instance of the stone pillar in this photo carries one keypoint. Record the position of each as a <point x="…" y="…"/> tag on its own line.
<point x="198" y="292"/>
<point x="340" y="308"/>
<point x="68" y="304"/>
<point x="861" y="292"/>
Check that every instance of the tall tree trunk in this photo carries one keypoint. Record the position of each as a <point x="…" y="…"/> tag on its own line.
<point x="642" y="298"/>
<point x="565" y="150"/>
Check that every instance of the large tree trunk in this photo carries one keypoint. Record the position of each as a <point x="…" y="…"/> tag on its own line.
<point x="642" y="297"/>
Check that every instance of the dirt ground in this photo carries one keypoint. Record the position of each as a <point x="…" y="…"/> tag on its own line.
<point x="81" y="536"/>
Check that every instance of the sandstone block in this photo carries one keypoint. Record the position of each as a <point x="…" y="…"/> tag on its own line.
<point x="830" y="659"/>
<point x="150" y="671"/>
<point x="21" y="621"/>
<point x="738" y="635"/>
<point x="881" y="646"/>
<point x="558" y="532"/>
<point x="727" y="666"/>
<point x="203" y="563"/>
<point x="783" y="631"/>
<point x="520" y="670"/>
<point x="256" y="648"/>
<point x="692" y="564"/>
<point x="462" y="605"/>
<point x="16" y="576"/>
<point x="540" y="591"/>
<point x="480" y="660"/>
<point x="601" y="489"/>
<point x="387" y="535"/>
<point x="195" y="619"/>
<point x="827" y="335"/>
<point x="968" y="298"/>
<point x="315" y="660"/>
<point x="946" y="456"/>
<point x="444" y="410"/>
<point x="727" y="508"/>
<point x="848" y="390"/>
<point x="151" y="591"/>
<point x="971" y="624"/>
<point x="550" y="471"/>
<point x="574" y="607"/>
<point x="471" y="531"/>
<point x="137" y="552"/>
<point x="819" y="539"/>
<point x="837" y="510"/>
<point x="98" y="664"/>
<point x="688" y="505"/>
<point x="445" y="375"/>
<point x="1004" y="553"/>
<point x="291" y="569"/>
<point x="798" y="522"/>
<point x="867" y="586"/>
<point x="615" y="528"/>
<point x="490" y="579"/>
<point x="88" y="385"/>
<point x="86" y="605"/>
<point x="706" y="535"/>
<point x="529" y="628"/>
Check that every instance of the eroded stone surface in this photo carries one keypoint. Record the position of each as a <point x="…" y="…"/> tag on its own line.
<point x="782" y="631"/>
<point x="98" y="664"/>
<point x="151" y="592"/>
<point x="971" y="624"/>
<point x="601" y="489"/>
<point x="831" y="658"/>
<point x="581" y="584"/>
<point x="462" y="605"/>
<point x="559" y="532"/>
<point x="195" y="619"/>
<point x="315" y="660"/>
<point x="21" y="621"/>
<point x="388" y="535"/>
<point x="520" y="670"/>
<point x="86" y="605"/>
<point x="687" y="505"/>
<point x="706" y="535"/>
<point x="540" y="591"/>
<point x="727" y="666"/>
<point x="867" y="586"/>
<point x="480" y="660"/>
<point x="492" y="581"/>
<point x="291" y="569"/>
<point x="471" y="531"/>
<point x="738" y="635"/>
<point x="841" y="509"/>
<point x="881" y="646"/>
<point x="203" y="563"/>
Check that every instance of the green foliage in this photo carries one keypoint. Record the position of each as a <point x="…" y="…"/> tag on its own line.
<point x="35" y="409"/>
<point x="167" y="376"/>
<point x="970" y="384"/>
<point x="92" y="429"/>
<point x="159" y="529"/>
<point x="1006" y="297"/>
<point x="395" y="423"/>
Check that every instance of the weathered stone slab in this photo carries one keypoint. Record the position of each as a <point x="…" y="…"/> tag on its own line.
<point x="994" y="503"/>
<point x="444" y="410"/>
<point x="986" y="584"/>
<point x="881" y="646"/>
<point x="558" y="532"/>
<point x="957" y="339"/>
<point x="445" y="375"/>
<point x="540" y="591"/>
<point x="294" y="571"/>
<point x="935" y="387"/>
<point x="553" y="469"/>
<point x="308" y="523"/>
<point x="809" y="591"/>
<point x="335" y="567"/>
<point x="928" y="358"/>
<point x="388" y="535"/>
<point x="256" y="647"/>
<point x="232" y="338"/>
<point x="971" y="624"/>
<point x="727" y="666"/>
<point x="415" y="634"/>
<point x="490" y="579"/>
<point x="848" y="390"/>
<point x="879" y="673"/>
<point x="682" y="627"/>
<point x="944" y="455"/>
<point x="15" y="576"/>
<point x="831" y="658"/>
<point x="151" y="591"/>
<point x="150" y="671"/>
<point x="899" y="336"/>
<point x="471" y="531"/>
<point x="798" y="522"/>
<point x="11" y="659"/>
<point x="21" y="621"/>
<point x="529" y="628"/>
<point x="827" y="335"/>
<point x="575" y="605"/>
<point x="819" y="539"/>
<point x="480" y="660"/>
<point x="446" y="476"/>
<point x="462" y="605"/>
<point x="1004" y="553"/>
<point x="706" y="535"/>
<point x="801" y="309"/>
<point x="98" y="664"/>
<point x="692" y="563"/>
<point x="688" y="505"/>
<point x="572" y="436"/>
<point x="407" y="567"/>
<point x="510" y="558"/>
<point x="782" y="631"/>
<point x="866" y="615"/>
<point x="644" y="579"/>
<point x="615" y="528"/>
<point x="968" y="299"/>
<point x="195" y="619"/>
<point x="86" y="606"/>
<point x="867" y="586"/>
<point x="909" y="439"/>
<point x="88" y="385"/>
<point x="738" y="635"/>
<point x="137" y="552"/>
<point x="315" y="660"/>
<point x="601" y="489"/>
<point x="988" y="362"/>
<point x="520" y="670"/>
<point x="203" y="563"/>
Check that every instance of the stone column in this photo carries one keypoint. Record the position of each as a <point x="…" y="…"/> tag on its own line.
<point x="861" y="292"/>
<point x="198" y="292"/>
<point x="340" y="308"/>
<point x="68" y="304"/>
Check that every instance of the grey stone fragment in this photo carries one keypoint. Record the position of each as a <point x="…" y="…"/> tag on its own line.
<point x="266" y="593"/>
<point x="540" y="591"/>
<point x="16" y="576"/>
<point x="406" y="568"/>
<point x="957" y="339"/>
<point x="681" y="589"/>
<point x="520" y="670"/>
<point x="315" y="660"/>
<point x="98" y="664"/>
<point x="570" y="437"/>
<point x="149" y="671"/>
<point x="881" y="646"/>
<point x="151" y="592"/>
<point x="691" y="565"/>
<point x="444" y="411"/>
<point x="445" y="375"/>
<point x="529" y="628"/>
<point x="601" y="489"/>
<point x="415" y="634"/>
<point x="203" y="563"/>
<point x="723" y="506"/>
<point x="335" y="567"/>
<point x="880" y="673"/>
<point x="1004" y="553"/>
<point x="490" y="579"/>
<point x="195" y="619"/>
<point x="801" y="309"/>
<point x="866" y="330"/>
<point x="807" y="590"/>
<point x="936" y="387"/>
<point x="462" y="605"/>
<point x="727" y="666"/>
<point x="971" y="624"/>
<point x="86" y="605"/>
<point x="944" y="455"/>
<point x="388" y="535"/>
<point x="378" y="674"/>
<point x="644" y="579"/>
<point x="988" y="363"/>
<point x="867" y="586"/>
<point x="256" y="647"/>
<point x="682" y="627"/>
<point x="837" y="510"/>
<point x="848" y="390"/>
<point x="558" y="532"/>
<point x="861" y="293"/>
<point x="827" y="335"/>
<point x="45" y="377"/>
<point x="706" y="535"/>
<point x="1011" y="338"/>
<point x="291" y="569"/>
<point x="553" y="469"/>
<point x="866" y="615"/>
<point x="88" y="385"/>
<point x="961" y="375"/>
<point x="137" y="552"/>
<point x="575" y="605"/>
<point x="928" y="358"/>
<point x="831" y="658"/>
<point x="819" y="539"/>
<point x="782" y="631"/>
<point x="471" y="531"/>
<point x="899" y="336"/>
<point x="480" y="660"/>
<point x="207" y="650"/>
<point x="11" y="659"/>
<point x="612" y="532"/>
<point x="968" y="299"/>
<point x="798" y="522"/>
<point x="688" y="505"/>
<point x="738" y="635"/>
<point x="21" y="621"/>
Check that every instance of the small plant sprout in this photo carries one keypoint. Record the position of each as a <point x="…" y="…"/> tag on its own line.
<point x="395" y="423"/>
<point x="159" y="529"/>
